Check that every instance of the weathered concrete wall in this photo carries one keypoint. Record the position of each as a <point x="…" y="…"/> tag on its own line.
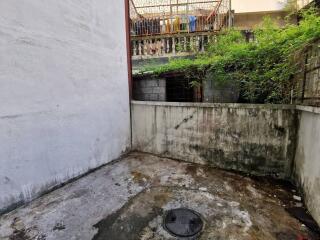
<point x="149" y="89"/>
<point x="252" y="138"/>
<point x="64" y="92"/>
<point x="307" y="160"/>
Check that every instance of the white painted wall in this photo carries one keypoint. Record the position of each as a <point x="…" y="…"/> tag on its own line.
<point x="257" y="5"/>
<point x="307" y="161"/>
<point x="64" y="92"/>
<point x="302" y="3"/>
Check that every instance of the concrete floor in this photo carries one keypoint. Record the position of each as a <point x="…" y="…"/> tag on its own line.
<point x="127" y="199"/>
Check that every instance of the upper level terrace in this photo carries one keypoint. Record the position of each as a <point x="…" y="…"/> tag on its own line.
<point x="175" y="27"/>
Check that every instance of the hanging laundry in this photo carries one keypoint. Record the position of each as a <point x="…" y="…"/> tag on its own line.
<point x="154" y="26"/>
<point x="192" y="23"/>
<point x="133" y="30"/>
<point x="163" y="26"/>
<point x="143" y="27"/>
<point x="140" y="27"/>
<point x="158" y="26"/>
<point x="201" y="23"/>
<point x="168" y="26"/>
<point x="149" y="26"/>
<point x="176" y="24"/>
<point x="137" y="26"/>
<point x="184" y="23"/>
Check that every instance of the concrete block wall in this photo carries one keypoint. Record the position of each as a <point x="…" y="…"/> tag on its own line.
<point x="150" y="89"/>
<point x="215" y="92"/>
<point x="64" y="92"/>
<point x="258" y="139"/>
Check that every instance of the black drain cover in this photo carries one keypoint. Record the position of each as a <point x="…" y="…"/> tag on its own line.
<point x="183" y="222"/>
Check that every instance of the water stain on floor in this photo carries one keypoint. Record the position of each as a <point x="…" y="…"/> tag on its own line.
<point x="129" y="221"/>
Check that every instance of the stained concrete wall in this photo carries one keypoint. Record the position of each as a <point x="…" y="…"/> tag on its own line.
<point x="307" y="160"/>
<point x="252" y="138"/>
<point x="64" y="92"/>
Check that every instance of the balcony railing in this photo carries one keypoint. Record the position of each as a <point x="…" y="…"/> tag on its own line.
<point x="170" y="45"/>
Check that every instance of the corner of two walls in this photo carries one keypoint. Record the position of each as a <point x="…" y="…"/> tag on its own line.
<point x="64" y="93"/>
<point x="279" y="140"/>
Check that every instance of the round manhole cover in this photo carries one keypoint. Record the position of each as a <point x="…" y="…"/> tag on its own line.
<point x="183" y="222"/>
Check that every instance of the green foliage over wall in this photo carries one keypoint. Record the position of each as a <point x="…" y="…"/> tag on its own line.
<point x="263" y="68"/>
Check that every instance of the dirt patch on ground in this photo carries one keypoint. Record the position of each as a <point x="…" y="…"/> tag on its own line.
<point x="139" y="177"/>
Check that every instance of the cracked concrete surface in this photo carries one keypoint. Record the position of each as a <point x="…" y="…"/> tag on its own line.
<point x="127" y="200"/>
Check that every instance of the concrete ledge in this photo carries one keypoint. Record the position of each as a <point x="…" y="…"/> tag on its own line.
<point x="217" y="105"/>
<point x="310" y="109"/>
